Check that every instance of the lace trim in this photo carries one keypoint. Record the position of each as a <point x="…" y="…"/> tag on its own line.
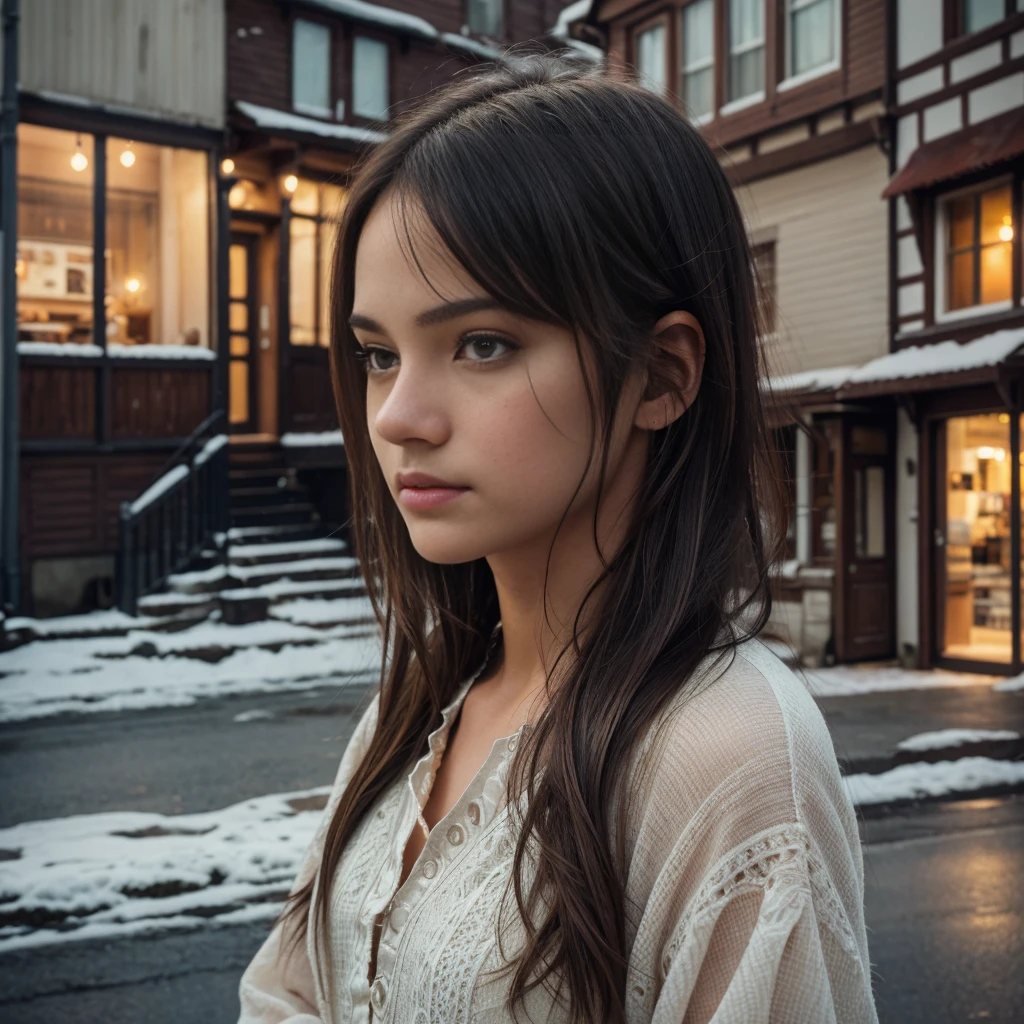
<point x="780" y="857"/>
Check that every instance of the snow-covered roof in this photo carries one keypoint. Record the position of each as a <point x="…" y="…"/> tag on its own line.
<point x="944" y="357"/>
<point x="470" y="45"/>
<point x="812" y="380"/>
<point x="283" y="121"/>
<point x="385" y="17"/>
<point x="574" y="12"/>
<point x="315" y="440"/>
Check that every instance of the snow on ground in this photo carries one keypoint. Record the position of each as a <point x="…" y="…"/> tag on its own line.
<point x="91" y="622"/>
<point x="120" y="872"/>
<point x="253" y="715"/>
<point x="100" y="674"/>
<point x="1014" y="685"/>
<point x="955" y="738"/>
<point x="913" y="781"/>
<point x="313" y="611"/>
<point x="849" y="680"/>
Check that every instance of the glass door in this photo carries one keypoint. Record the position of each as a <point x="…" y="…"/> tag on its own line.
<point x="242" y="350"/>
<point x="972" y="540"/>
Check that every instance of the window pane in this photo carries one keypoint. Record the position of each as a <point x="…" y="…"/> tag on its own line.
<point x="157" y="245"/>
<point x="328" y="236"/>
<point x="813" y="38"/>
<point x="306" y="198"/>
<point x="746" y="73"/>
<point x="311" y="67"/>
<point x="699" y="92"/>
<point x="332" y="201"/>
<point x="996" y="216"/>
<point x="698" y="33"/>
<point x="238" y="278"/>
<point x="238" y="390"/>
<point x="869" y="511"/>
<point x="979" y="14"/>
<point x="485" y="17"/>
<point x="977" y="538"/>
<point x="302" y="281"/>
<point x="650" y="58"/>
<point x="996" y="272"/>
<point x="961" y="223"/>
<point x="370" y="78"/>
<point x="961" y="280"/>
<point x="746" y="22"/>
<point x="54" y="268"/>
<point x="238" y="316"/>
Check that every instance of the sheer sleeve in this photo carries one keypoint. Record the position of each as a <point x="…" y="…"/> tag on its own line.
<point x="275" y="988"/>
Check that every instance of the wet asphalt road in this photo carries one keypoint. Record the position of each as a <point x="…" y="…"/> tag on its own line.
<point x="944" y="883"/>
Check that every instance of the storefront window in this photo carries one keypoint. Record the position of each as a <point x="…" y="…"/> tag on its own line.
<point x="978" y="574"/>
<point x="54" y="266"/>
<point x="157" y="245"/>
<point x="979" y="248"/>
<point x="316" y="210"/>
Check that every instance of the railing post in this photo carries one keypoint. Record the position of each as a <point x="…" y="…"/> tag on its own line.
<point x="126" y="556"/>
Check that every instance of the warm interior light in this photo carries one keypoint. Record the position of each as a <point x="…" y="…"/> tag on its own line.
<point x="1006" y="231"/>
<point x="227" y="166"/>
<point x="128" y="156"/>
<point x="236" y="197"/>
<point x="987" y="452"/>
<point x="133" y="284"/>
<point x="79" y="161"/>
<point x="291" y="183"/>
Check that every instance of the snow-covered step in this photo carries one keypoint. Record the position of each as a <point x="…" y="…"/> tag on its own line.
<point x="322" y="612"/>
<point x="275" y="534"/>
<point x="256" y="554"/>
<point x="221" y="577"/>
<point x="286" y="590"/>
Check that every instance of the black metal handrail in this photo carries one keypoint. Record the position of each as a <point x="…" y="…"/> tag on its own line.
<point x="182" y="513"/>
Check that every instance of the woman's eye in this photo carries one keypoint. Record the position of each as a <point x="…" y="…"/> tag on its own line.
<point x="377" y="358"/>
<point x="484" y="347"/>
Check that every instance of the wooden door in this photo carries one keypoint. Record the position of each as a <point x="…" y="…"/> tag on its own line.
<point x="243" y="413"/>
<point x="865" y="562"/>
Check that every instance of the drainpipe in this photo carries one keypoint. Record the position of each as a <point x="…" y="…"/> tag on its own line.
<point x="10" y="576"/>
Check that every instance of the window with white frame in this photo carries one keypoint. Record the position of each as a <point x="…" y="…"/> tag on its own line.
<point x="746" y="48"/>
<point x="311" y="67"/>
<point x="811" y="35"/>
<point x="370" y="78"/>
<point x="979" y="232"/>
<point x="650" y="58"/>
<point x="698" y="70"/>
<point x="979" y="14"/>
<point x="485" y="17"/>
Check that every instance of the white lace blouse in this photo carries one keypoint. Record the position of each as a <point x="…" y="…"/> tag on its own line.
<point x="744" y="888"/>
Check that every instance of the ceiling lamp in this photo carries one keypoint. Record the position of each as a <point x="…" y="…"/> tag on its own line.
<point x="128" y="156"/>
<point x="291" y="183"/>
<point x="227" y="166"/>
<point x="79" y="161"/>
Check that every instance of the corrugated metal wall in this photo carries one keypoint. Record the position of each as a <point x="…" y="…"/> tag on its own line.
<point x="163" y="57"/>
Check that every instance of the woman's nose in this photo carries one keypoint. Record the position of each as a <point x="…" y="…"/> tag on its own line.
<point x="414" y="409"/>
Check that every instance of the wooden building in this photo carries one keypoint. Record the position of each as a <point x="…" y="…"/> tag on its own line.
<point x="205" y="148"/>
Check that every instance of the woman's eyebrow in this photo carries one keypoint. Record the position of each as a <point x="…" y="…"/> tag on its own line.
<point x="429" y="317"/>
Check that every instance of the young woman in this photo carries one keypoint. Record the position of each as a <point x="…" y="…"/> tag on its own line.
<point x="584" y="790"/>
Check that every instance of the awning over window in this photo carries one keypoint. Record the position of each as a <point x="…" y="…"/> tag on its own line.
<point x="982" y="145"/>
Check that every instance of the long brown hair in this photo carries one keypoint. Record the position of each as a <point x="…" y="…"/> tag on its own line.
<point x="593" y="204"/>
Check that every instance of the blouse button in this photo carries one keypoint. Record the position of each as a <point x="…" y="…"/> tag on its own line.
<point x="512" y="744"/>
<point x="378" y="995"/>
<point x="399" y="917"/>
<point x="455" y="835"/>
<point x="430" y="868"/>
<point x="473" y="812"/>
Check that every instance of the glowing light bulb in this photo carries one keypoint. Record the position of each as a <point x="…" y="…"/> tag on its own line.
<point x="291" y="183"/>
<point x="79" y="161"/>
<point x="236" y="197"/>
<point x="133" y="284"/>
<point x="1006" y="232"/>
<point x="227" y="166"/>
<point x="128" y="156"/>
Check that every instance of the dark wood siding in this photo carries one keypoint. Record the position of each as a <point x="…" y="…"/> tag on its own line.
<point x="159" y="403"/>
<point x="58" y="403"/>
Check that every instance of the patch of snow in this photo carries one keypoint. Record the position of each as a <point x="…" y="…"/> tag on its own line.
<point x="280" y="120"/>
<point x="170" y="479"/>
<point x="97" y="868"/>
<point x="209" y="634"/>
<point x="473" y="46"/>
<point x="90" y="622"/>
<point x="913" y="781"/>
<point x="1014" y="685"/>
<point x="207" y="452"/>
<point x="58" y="676"/>
<point x="253" y="715"/>
<point x="199" y="577"/>
<point x="55" y="348"/>
<point x="282" y="569"/>
<point x="315" y="440"/>
<point x="944" y="357"/>
<point x="789" y="568"/>
<point x="319" y="545"/>
<point x="292" y="588"/>
<point x="385" y="17"/>
<point x="318" y="611"/>
<point x="118" y="351"/>
<point x="955" y="738"/>
<point x="811" y="380"/>
<point x="848" y="680"/>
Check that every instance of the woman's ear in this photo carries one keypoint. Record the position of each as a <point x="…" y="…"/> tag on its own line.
<point x="674" y="373"/>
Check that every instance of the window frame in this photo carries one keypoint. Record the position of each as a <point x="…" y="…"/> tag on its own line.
<point x="712" y="62"/>
<point x="792" y="79"/>
<point x="300" y="106"/>
<point x="750" y="99"/>
<point x="941" y="251"/>
<point x="354" y="78"/>
<point x="658" y="21"/>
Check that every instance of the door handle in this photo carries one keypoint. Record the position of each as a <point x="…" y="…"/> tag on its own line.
<point x="940" y="538"/>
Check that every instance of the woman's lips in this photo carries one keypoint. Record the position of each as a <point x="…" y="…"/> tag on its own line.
<point x="419" y="490"/>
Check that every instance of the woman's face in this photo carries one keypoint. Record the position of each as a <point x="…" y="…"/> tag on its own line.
<point x="468" y="393"/>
